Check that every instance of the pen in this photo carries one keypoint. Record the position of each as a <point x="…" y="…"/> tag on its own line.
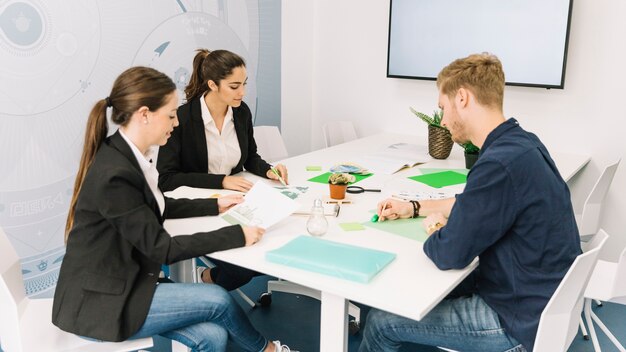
<point x="280" y="178"/>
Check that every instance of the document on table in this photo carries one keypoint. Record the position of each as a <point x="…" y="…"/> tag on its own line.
<point x="263" y="206"/>
<point x="394" y="158"/>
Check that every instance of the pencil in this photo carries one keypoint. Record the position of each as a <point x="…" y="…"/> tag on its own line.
<point x="280" y="178"/>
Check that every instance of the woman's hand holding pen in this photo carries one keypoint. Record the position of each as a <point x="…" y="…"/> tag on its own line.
<point x="253" y="234"/>
<point x="391" y="209"/>
<point x="277" y="172"/>
<point x="226" y="202"/>
<point x="236" y="183"/>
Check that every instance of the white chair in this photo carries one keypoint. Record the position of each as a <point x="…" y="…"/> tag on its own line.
<point x="589" y="220"/>
<point x="337" y="132"/>
<point x="26" y="324"/>
<point x="558" y="324"/>
<point x="269" y="143"/>
<point x="608" y="284"/>
<point x="559" y="320"/>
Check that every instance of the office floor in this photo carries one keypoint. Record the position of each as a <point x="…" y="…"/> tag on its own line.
<point x="301" y="330"/>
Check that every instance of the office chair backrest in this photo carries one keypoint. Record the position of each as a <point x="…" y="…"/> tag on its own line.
<point x="12" y="295"/>
<point x="559" y="321"/>
<point x="337" y="132"/>
<point x="592" y="209"/>
<point x="269" y="143"/>
<point x="619" y="285"/>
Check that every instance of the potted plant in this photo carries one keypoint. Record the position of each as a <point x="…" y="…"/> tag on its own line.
<point x="471" y="154"/>
<point x="338" y="183"/>
<point x="439" y="138"/>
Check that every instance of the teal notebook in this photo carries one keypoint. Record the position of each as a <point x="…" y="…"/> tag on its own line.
<point x="331" y="258"/>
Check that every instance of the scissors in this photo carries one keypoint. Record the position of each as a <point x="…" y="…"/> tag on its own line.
<point x="357" y="189"/>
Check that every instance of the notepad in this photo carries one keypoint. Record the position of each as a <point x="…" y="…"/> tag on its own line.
<point x="331" y="258"/>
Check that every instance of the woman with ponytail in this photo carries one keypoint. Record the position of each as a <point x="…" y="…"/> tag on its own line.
<point x="116" y="243"/>
<point x="215" y="140"/>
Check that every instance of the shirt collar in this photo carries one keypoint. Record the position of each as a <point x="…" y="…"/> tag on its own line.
<point x="145" y="161"/>
<point x="499" y="131"/>
<point x="207" y="118"/>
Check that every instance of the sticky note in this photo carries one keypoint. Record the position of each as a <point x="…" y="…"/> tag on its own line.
<point x="351" y="226"/>
<point x="313" y="168"/>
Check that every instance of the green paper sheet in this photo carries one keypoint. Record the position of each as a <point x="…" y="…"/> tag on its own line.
<point x="323" y="178"/>
<point x="351" y="226"/>
<point x="409" y="228"/>
<point x="432" y="171"/>
<point x="441" y="179"/>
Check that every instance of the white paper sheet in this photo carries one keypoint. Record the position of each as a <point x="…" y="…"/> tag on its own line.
<point x="394" y="158"/>
<point x="263" y="206"/>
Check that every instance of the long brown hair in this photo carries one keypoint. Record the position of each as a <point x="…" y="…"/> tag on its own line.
<point x="133" y="89"/>
<point x="210" y="66"/>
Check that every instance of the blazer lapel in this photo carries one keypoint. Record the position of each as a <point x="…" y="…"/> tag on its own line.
<point x="199" y="136"/>
<point x="118" y="142"/>
<point x="242" y="136"/>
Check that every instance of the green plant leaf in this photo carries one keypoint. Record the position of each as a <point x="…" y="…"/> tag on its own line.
<point x="424" y="117"/>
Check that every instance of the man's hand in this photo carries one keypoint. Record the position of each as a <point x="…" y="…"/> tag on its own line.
<point x="434" y="222"/>
<point x="226" y="202"/>
<point x="391" y="209"/>
<point x="253" y="234"/>
<point x="236" y="183"/>
<point x="282" y="170"/>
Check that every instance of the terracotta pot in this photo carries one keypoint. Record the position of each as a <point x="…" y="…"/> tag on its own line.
<point x="337" y="191"/>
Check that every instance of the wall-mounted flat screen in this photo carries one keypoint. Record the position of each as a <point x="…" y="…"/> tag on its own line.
<point x="529" y="36"/>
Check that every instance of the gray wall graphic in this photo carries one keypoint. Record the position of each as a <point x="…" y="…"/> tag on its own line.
<point x="59" y="57"/>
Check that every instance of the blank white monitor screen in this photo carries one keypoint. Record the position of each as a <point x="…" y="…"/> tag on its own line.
<point x="528" y="36"/>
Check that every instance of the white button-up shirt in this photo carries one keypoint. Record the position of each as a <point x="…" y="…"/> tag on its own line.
<point x="147" y="163"/>
<point x="222" y="148"/>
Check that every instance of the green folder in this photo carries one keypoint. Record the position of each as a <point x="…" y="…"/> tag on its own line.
<point x="323" y="178"/>
<point x="331" y="258"/>
<point x="441" y="179"/>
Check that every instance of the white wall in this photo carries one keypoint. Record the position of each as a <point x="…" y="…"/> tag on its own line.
<point x="345" y="52"/>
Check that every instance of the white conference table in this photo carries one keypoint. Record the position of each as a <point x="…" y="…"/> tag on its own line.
<point x="410" y="286"/>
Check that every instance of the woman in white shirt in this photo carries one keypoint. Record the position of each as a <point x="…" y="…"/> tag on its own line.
<point x="213" y="141"/>
<point x="116" y="243"/>
<point x="215" y="138"/>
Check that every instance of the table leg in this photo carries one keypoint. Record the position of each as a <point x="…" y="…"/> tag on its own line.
<point x="182" y="271"/>
<point x="334" y="323"/>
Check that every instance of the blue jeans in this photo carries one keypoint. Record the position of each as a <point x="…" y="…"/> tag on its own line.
<point x="462" y="324"/>
<point x="200" y="316"/>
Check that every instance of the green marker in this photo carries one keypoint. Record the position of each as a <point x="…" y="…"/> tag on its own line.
<point x="374" y="218"/>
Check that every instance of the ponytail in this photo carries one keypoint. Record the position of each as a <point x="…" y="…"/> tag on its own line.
<point x="95" y="134"/>
<point x="134" y="88"/>
<point x="210" y="66"/>
<point x="197" y="85"/>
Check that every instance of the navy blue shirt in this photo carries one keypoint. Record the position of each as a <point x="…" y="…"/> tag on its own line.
<point x="516" y="215"/>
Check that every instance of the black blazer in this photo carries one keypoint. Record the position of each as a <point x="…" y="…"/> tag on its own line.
<point x="183" y="161"/>
<point x="117" y="245"/>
